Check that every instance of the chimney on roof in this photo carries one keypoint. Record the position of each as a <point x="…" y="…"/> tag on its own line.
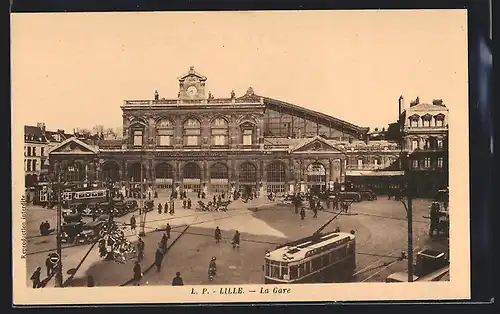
<point x="438" y="102"/>
<point x="41" y="125"/>
<point x="401" y="102"/>
<point x="60" y="131"/>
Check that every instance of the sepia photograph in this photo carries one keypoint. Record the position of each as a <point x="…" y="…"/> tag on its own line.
<point x="240" y="156"/>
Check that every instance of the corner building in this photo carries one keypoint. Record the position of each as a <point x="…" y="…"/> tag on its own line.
<point x="197" y="142"/>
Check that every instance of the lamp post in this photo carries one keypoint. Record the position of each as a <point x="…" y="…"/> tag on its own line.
<point x="142" y="232"/>
<point x="58" y="274"/>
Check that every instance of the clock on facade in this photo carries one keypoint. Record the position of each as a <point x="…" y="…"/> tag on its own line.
<point x="192" y="91"/>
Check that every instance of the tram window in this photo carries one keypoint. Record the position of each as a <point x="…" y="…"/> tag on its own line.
<point x="325" y="260"/>
<point x="342" y="252"/>
<point x="308" y="267"/>
<point x="268" y="269"/>
<point x="316" y="263"/>
<point x="294" y="272"/>
<point x="275" y="271"/>
<point x="350" y="249"/>
<point x="302" y="268"/>
<point x="284" y="271"/>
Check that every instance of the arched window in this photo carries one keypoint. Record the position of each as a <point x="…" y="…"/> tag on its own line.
<point x="192" y="171"/>
<point x="247" y="131"/>
<point x="219" y="130"/>
<point x="219" y="178"/>
<point x="276" y="172"/>
<point x="164" y="176"/>
<point x="192" y="132"/>
<point x="248" y="173"/>
<point x="276" y="176"/>
<point x="137" y="133"/>
<point x="439" y="120"/>
<point x="164" y="171"/>
<point x="164" y="133"/>
<point x="414" y="120"/>
<point x="218" y="171"/>
<point x="426" y="120"/>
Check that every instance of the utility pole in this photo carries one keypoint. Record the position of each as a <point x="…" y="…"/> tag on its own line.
<point x="409" y="190"/>
<point x="58" y="275"/>
<point x="405" y="166"/>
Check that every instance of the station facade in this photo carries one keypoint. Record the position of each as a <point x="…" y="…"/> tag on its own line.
<point x="197" y="142"/>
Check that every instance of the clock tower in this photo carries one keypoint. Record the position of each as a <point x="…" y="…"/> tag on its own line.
<point x="192" y="85"/>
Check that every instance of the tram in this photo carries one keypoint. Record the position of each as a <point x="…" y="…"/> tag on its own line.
<point x="320" y="258"/>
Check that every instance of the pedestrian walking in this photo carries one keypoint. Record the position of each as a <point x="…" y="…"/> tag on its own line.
<point x="217" y="235"/>
<point x="236" y="240"/>
<point x="302" y="213"/>
<point x="158" y="258"/>
<point x="35" y="278"/>
<point x="199" y="194"/>
<point x="137" y="274"/>
<point x="49" y="265"/>
<point x="434" y="226"/>
<point x="164" y="242"/>
<point x="159" y="208"/>
<point x="177" y="281"/>
<point x="315" y="212"/>
<point x="184" y="203"/>
<point x="133" y="224"/>
<point x="167" y="229"/>
<point x="189" y="203"/>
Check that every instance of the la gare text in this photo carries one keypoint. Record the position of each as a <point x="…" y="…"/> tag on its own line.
<point x="238" y="290"/>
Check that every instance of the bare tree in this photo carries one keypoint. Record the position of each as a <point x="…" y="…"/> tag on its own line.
<point x="98" y="129"/>
<point x="110" y="134"/>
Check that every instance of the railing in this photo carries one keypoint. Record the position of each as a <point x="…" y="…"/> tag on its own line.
<point x="425" y="128"/>
<point x="187" y="101"/>
<point x="366" y="167"/>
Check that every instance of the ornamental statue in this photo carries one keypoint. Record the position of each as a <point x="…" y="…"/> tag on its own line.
<point x="233" y="95"/>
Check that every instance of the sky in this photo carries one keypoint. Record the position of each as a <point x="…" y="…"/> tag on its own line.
<point x="75" y="70"/>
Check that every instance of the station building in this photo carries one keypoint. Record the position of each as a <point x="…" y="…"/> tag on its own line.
<point x="196" y="142"/>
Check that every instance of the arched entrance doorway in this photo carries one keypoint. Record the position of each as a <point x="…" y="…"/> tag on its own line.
<point x="191" y="181"/>
<point x="110" y="171"/>
<point x="164" y="176"/>
<point x="276" y="177"/>
<point x="316" y="177"/>
<point x="219" y="175"/>
<point x="248" y="178"/>
<point x="135" y="174"/>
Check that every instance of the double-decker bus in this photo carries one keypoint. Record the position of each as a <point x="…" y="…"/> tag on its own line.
<point x="328" y="257"/>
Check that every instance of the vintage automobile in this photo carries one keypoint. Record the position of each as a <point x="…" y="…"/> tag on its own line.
<point x="70" y="230"/>
<point x="90" y="233"/>
<point x="119" y="209"/>
<point x="349" y="196"/>
<point x="74" y="217"/>
<point x="368" y="195"/>
<point x="131" y="205"/>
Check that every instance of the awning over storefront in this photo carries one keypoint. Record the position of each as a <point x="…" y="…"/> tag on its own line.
<point x="371" y="173"/>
